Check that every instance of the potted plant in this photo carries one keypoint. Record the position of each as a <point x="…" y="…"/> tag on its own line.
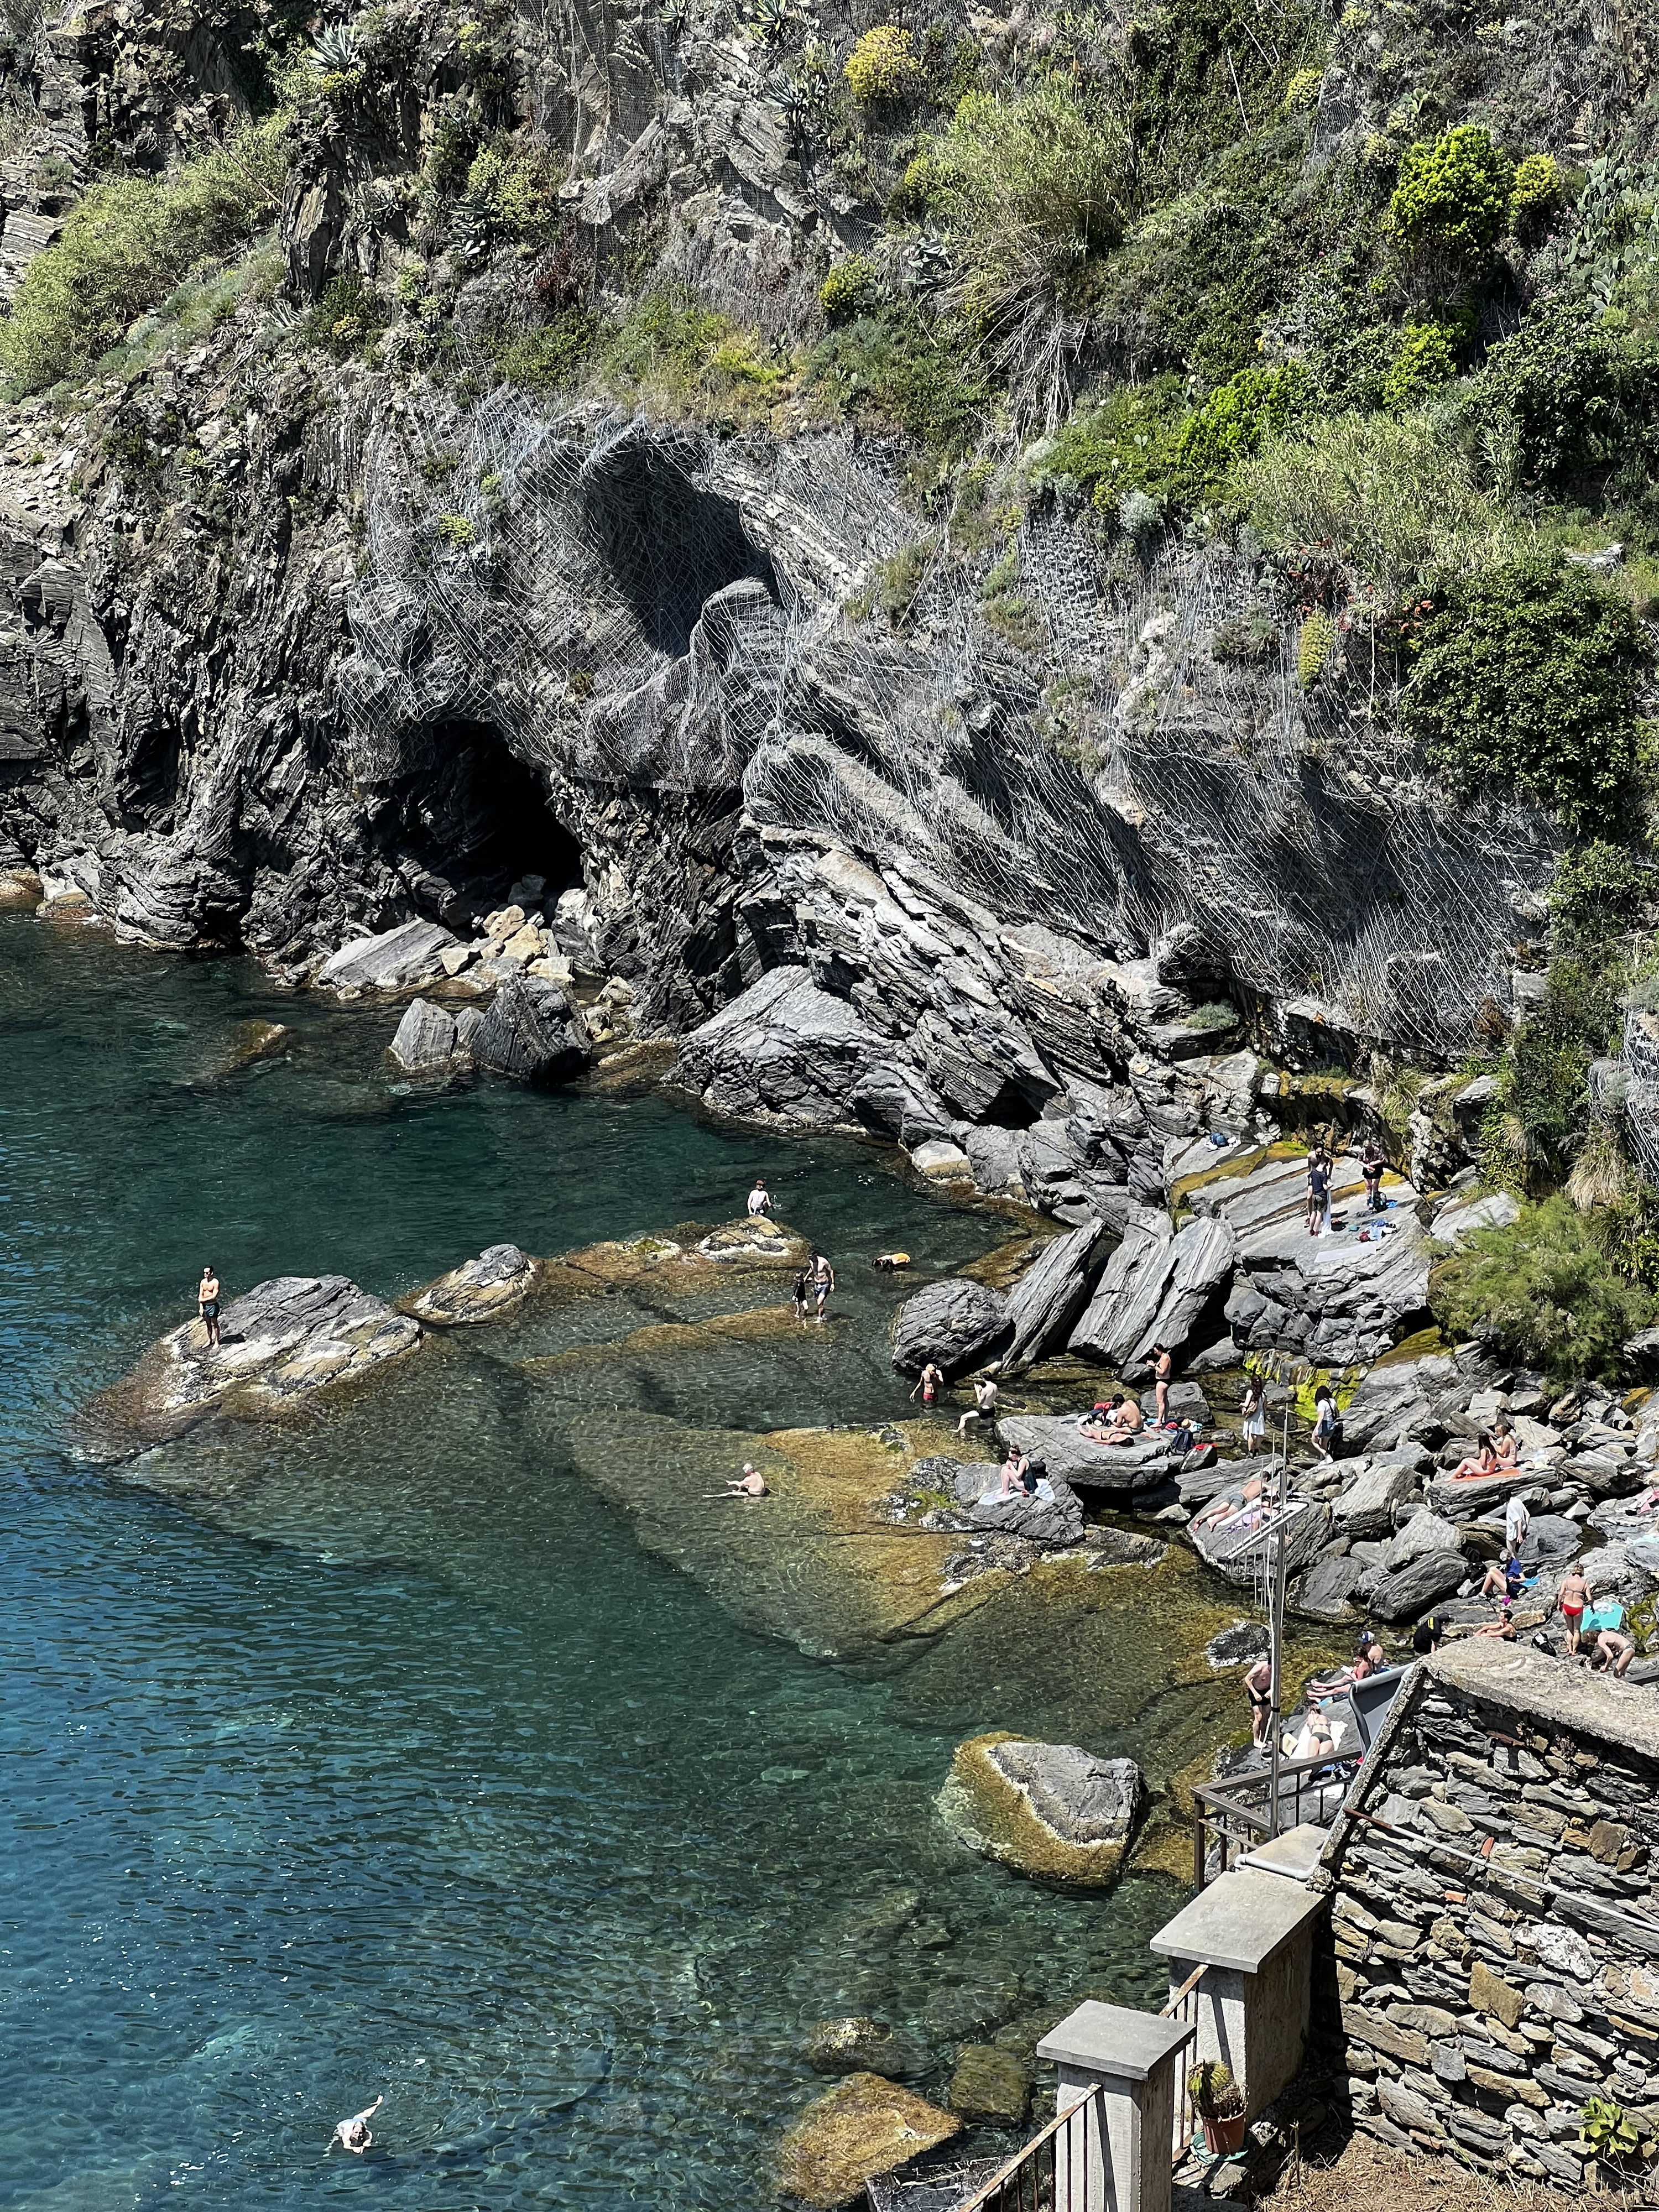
<point x="1219" y="2102"/>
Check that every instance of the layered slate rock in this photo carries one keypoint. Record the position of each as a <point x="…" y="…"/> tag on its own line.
<point x="1051" y="1294"/>
<point x="1053" y="1811"/>
<point x="784" y="1053"/>
<point x="393" y="961"/>
<point x="1130" y="1289"/>
<point x="1140" y="1464"/>
<point x="1366" y="1508"/>
<point x="956" y="1323"/>
<point x="533" y="1031"/>
<point x="281" y="1343"/>
<point x="1054" y="1521"/>
<point x="425" y="1042"/>
<point x="755" y="1241"/>
<point x="1409" y="1591"/>
<point x="479" y="1290"/>
<point x="864" y="2126"/>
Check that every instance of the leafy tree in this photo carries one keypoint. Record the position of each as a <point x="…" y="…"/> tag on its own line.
<point x="1532" y="672"/>
<point x="1454" y="196"/>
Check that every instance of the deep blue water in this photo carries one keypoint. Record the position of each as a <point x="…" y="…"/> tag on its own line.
<point x="383" y="1757"/>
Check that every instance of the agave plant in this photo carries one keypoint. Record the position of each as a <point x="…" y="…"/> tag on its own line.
<point x="334" y="49"/>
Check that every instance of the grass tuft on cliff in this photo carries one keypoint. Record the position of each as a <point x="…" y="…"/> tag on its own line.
<point x="127" y="245"/>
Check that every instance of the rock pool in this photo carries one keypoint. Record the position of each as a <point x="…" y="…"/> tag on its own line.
<point x="392" y="1749"/>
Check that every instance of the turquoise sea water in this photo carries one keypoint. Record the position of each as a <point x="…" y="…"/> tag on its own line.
<point x="380" y="1756"/>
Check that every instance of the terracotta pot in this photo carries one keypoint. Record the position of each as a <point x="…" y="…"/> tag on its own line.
<point x="1223" y="2138"/>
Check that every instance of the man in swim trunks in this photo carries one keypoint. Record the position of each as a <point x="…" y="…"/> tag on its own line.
<point x="1572" y="1598"/>
<point x="930" y="1382"/>
<point x="760" y="1200"/>
<point x="1259" y="1689"/>
<point x="1371" y="1164"/>
<point x="984" y="1407"/>
<point x="1163" y="1366"/>
<point x="823" y="1281"/>
<point x="207" y="1304"/>
<point x="353" y="2135"/>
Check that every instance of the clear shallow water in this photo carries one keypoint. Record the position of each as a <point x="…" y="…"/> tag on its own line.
<point x="384" y="1757"/>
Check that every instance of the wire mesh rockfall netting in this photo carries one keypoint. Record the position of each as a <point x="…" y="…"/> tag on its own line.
<point x="652" y="608"/>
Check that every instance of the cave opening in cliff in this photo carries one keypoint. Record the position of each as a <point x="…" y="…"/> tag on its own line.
<point x="479" y="818"/>
<point x="669" y="546"/>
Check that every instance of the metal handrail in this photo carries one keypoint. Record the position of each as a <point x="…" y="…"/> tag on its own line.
<point x="1183" y="2005"/>
<point x="1027" y="2165"/>
<point x="1228" y="1801"/>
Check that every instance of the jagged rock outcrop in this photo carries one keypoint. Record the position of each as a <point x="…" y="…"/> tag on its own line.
<point x="956" y="1323"/>
<point x="478" y="1290"/>
<point x="281" y="1343"/>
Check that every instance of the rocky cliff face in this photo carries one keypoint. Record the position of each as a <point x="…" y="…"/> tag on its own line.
<point x="293" y="648"/>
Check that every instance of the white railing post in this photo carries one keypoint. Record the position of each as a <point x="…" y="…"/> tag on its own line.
<point x="1130" y="2059"/>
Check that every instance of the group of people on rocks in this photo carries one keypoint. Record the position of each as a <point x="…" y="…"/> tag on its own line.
<point x="1321" y="1171"/>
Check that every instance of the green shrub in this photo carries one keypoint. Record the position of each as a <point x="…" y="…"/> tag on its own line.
<point x="1598" y="887"/>
<point x="516" y="194"/>
<point x="884" y="67"/>
<point x="1235" y="422"/>
<point x="1453" y="196"/>
<point x="549" y="357"/>
<point x="1128" y="442"/>
<point x="899" y="581"/>
<point x="1032" y="188"/>
<point x="1534" y="672"/>
<point x="1544" y="1079"/>
<point x="851" y="289"/>
<point x="347" y="320"/>
<point x="1302" y="93"/>
<point x="1424" y="360"/>
<point x="1544" y="1293"/>
<point x="1381" y="494"/>
<point x="896" y="370"/>
<point x="126" y="245"/>
<point x="455" y="529"/>
<point x="691" y="356"/>
<point x="1534" y="196"/>
<point x="1572" y="393"/>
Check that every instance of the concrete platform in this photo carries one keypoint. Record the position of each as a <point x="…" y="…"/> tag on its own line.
<point x="1295" y="1854"/>
<point x="1239" y="1921"/>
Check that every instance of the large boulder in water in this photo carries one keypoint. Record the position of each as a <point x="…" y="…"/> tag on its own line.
<point x="863" y="2126"/>
<point x="1054" y="1521"/>
<point x="533" y="1032"/>
<point x="478" y="1290"/>
<point x="1057" y="1439"/>
<point x="281" y="1342"/>
<point x="1050" y="1810"/>
<point x="957" y="1323"/>
<point x="390" y="962"/>
<point x="425" y="1043"/>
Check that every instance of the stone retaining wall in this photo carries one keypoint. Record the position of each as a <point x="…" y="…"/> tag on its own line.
<point x="1494" y="1943"/>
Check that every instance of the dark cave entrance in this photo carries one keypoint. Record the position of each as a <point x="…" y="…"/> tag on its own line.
<point x="477" y="819"/>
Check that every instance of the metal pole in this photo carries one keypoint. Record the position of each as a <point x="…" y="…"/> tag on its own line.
<point x="1276" y="1625"/>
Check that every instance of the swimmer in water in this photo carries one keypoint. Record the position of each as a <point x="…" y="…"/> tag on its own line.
<point x="353" y="2135"/>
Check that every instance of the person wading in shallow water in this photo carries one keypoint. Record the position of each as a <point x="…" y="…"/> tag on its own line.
<point x="823" y="1281"/>
<point x="930" y="1382"/>
<point x="207" y="1304"/>
<point x="353" y="2135"/>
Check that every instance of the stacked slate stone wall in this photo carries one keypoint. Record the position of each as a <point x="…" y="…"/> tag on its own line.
<point x="1494" y="1930"/>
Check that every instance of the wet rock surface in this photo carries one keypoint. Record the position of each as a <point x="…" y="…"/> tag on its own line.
<point x="479" y="1290"/>
<point x="281" y="1343"/>
<point x="1055" y="1812"/>
<point x="865" y="2125"/>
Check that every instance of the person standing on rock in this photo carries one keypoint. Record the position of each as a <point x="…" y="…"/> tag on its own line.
<point x="1259" y="1689"/>
<point x="984" y="1407"/>
<point x="823" y="1281"/>
<point x="1572" y="1597"/>
<point x="1319" y="1190"/>
<point x="1327" y="1424"/>
<point x="930" y="1382"/>
<point x="1255" y="1409"/>
<point x="1517" y="1522"/>
<point x="760" y="1200"/>
<point x="1163" y="1367"/>
<point x="1371" y="1164"/>
<point x="207" y="1306"/>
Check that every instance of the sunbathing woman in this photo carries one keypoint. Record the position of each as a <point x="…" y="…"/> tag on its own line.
<point x="1223" y="1508"/>
<point x="1471" y="1470"/>
<point x="1504" y="1443"/>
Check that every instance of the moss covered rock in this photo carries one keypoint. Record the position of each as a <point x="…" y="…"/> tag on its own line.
<point x="1052" y="1811"/>
<point x="990" y="2085"/>
<point x="864" y="2126"/>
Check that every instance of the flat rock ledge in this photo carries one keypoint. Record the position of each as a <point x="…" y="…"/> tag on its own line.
<point x="281" y="1343"/>
<point x="1051" y="1811"/>
<point x="478" y="1291"/>
<point x="862" y="2127"/>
